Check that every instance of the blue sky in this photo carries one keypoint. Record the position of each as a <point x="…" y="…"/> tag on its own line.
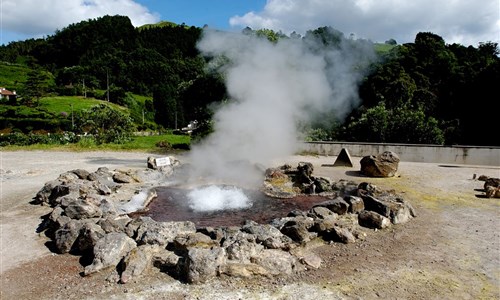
<point x="200" y="12"/>
<point x="459" y="21"/>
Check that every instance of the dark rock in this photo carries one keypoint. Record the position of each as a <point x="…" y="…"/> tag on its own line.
<point x="44" y="194"/>
<point x="83" y="209"/>
<point x="268" y="235"/>
<point x="356" y="204"/>
<point x="120" y="177"/>
<point x="382" y="165"/>
<point x="90" y="233"/>
<point x="493" y="182"/>
<point x="320" y="212"/>
<point x="397" y="211"/>
<point x="337" y="205"/>
<point x="371" y="219"/>
<point x="109" y="251"/>
<point x="345" y="187"/>
<point x="114" y="223"/>
<point x="66" y="236"/>
<point x="82" y="174"/>
<point x="324" y="225"/>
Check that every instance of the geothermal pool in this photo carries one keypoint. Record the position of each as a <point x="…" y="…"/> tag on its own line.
<point x="219" y="206"/>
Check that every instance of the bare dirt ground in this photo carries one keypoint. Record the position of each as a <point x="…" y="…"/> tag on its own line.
<point x="450" y="251"/>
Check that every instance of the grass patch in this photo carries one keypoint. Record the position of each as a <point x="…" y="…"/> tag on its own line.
<point x="138" y="143"/>
<point x="13" y="76"/>
<point x="59" y="104"/>
<point x="383" y="48"/>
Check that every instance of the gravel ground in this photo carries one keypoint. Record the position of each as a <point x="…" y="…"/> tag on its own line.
<point x="450" y="251"/>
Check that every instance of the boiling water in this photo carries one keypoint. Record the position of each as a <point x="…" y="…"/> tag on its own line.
<point x="228" y="206"/>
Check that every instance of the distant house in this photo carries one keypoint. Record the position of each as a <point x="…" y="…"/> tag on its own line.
<point x="7" y="95"/>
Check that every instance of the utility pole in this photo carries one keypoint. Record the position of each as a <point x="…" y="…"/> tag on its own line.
<point x="84" y="90"/>
<point x="107" y="84"/>
<point x="72" y="118"/>
<point x="143" y="117"/>
<point x="176" y="120"/>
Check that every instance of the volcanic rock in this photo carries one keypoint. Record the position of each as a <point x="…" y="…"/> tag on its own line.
<point x="137" y="261"/>
<point x="337" y="205"/>
<point x="382" y="165"/>
<point x="372" y="219"/>
<point x="162" y="233"/>
<point x="109" y="251"/>
<point x="276" y="262"/>
<point x="356" y="204"/>
<point x="66" y="236"/>
<point x="202" y="264"/>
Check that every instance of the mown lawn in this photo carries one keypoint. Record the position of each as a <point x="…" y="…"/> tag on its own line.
<point x="59" y="104"/>
<point x="138" y="143"/>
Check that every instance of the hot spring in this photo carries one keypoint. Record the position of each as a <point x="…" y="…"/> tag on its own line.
<point x="223" y="205"/>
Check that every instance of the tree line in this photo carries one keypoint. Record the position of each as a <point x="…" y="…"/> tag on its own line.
<point x="421" y="92"/>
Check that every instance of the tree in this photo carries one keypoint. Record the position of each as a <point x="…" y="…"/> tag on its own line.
<point x="398" y="125"/>
<point x="105" y="124"/>
<point x="35" y="87"/>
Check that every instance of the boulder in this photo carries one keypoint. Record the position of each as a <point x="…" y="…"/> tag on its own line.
<point x="268" y="235"/>
<point x="83" y="209"/>
<point x="383" y="165"/>
<point x="109" y="251"/>
<point x="243" y="250"/>
<point x="371" y="219"/>
<point x="90" y="233"/>
<point x="337" y="205"/>
<point x="320" y="212"/>
<point x="202" y="264"/>
<point x="356" y="204"/>
<point x="397" y="211"/>
<point x="276" y="262"/>
<point x="66" y="236"/>
<point x="492" y="187"/>
<point x="162" y="233"/>
<point x="137" y="261"/>
<point x="193" y="239"/>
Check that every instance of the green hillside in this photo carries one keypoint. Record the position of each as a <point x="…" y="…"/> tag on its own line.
<point x="64" y="104"/>
<point x="383" y="48"/>
<point x="159" y="24"/>
<point x="12" y="76"/>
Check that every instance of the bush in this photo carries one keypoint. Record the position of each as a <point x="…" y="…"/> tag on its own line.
<point x="105" y="124"/>
<point x="20" y="139"/>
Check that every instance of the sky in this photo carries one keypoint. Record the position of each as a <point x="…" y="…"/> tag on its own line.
<point x="467" y="22"/>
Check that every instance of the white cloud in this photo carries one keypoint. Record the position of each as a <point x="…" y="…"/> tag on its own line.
<point x="457" y="21"/>
<point x="43" y="17"/>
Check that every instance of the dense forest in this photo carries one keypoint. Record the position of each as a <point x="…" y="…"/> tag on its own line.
<point x="421" y="92"/>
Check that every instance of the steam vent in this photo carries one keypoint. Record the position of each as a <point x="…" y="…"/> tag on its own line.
<point x="107" y="217"/>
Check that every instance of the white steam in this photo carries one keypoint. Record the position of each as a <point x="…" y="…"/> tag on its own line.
<point x="272" y="88"/>
<point x="213" y="198"/>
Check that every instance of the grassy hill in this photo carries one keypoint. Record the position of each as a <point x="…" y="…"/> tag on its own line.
<point x="383" y="48"/>
<point x="51" y="114"/>
<point x="12" y="76"/>
<point x="60" y="104"/>
<point x="159" y="24"/>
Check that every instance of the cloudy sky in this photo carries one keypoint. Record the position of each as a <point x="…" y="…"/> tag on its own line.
<point x="467" y="22"/>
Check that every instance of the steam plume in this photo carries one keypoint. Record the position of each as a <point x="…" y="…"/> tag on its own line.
<point x="272" y="87"/>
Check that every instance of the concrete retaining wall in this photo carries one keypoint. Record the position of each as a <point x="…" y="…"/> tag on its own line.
<point x="468" y="155"/>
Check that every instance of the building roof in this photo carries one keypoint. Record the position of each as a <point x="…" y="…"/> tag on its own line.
<point x="6" y="92"/>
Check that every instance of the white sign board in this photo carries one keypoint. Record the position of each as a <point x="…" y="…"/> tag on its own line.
<point x="163" y="161"/>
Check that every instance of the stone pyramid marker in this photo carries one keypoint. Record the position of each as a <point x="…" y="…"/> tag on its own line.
<point x="343" y="159"/>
